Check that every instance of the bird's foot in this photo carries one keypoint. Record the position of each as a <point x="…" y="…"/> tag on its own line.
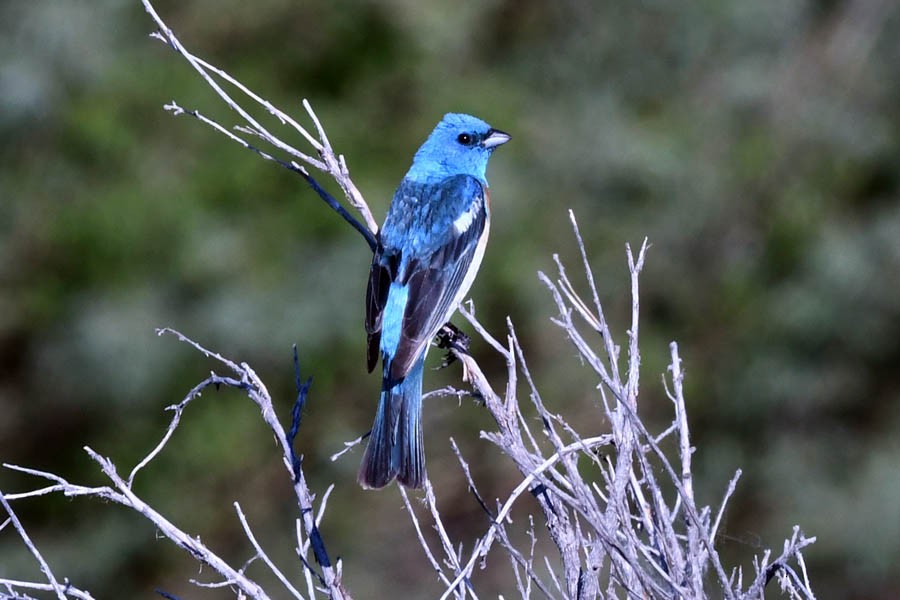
<point x="450" y="338"/>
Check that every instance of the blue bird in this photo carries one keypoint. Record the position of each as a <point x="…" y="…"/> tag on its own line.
<point x="428" y="253"/>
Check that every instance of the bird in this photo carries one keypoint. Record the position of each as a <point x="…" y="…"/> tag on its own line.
<point x="427" y="255"/>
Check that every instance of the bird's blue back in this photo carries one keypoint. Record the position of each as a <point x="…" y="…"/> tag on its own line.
<point x="431" y="195"/>
<point x="421" y="215"/>
<point x="428" y="253"/>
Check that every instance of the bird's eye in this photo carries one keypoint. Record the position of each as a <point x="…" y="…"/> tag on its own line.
<point x="465" y="139"/>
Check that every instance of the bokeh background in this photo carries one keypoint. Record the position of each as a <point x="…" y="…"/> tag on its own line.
<point x="756" y="144"/>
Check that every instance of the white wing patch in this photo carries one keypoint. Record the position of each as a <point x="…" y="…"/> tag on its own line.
<point x="464" y="221"/>
<point x="469" y="279"/>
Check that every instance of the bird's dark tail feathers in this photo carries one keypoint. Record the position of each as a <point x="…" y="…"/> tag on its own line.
<point x="395" y="447"/>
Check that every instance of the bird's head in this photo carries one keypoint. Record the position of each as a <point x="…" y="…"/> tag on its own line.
<point x="459" y="145"/>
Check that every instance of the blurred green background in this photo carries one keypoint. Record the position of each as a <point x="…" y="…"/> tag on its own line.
<point x="756" y="144"/>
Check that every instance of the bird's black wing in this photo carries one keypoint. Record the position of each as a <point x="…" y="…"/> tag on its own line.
<point x="383" y="271"/>
<point x="434" y="280"/>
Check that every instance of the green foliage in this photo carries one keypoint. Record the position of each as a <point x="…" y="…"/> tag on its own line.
<point x="755" y="144"/>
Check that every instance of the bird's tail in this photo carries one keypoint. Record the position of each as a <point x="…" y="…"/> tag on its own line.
<point x="395" y="447"/>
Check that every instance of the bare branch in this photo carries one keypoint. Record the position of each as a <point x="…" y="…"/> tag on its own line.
<point x="422" y="541"/>
<point x="333" y="165"/>
<point x="12" y="584"/>
<point x="54" y="585"/>
<point x="625" y="527"/>
<point x="262" y="553"/>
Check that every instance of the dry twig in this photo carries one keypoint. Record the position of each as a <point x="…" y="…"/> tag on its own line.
<point x="618" y="533"/>
<point x="121" y="491"/>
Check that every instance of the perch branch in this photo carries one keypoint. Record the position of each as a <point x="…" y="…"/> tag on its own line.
<point x="328" y="162"/>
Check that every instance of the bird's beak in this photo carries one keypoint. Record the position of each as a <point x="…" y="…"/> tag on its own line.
<point x="495" y="138"/>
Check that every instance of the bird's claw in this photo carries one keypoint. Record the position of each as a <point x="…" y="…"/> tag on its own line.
<point x="451" y="339"/>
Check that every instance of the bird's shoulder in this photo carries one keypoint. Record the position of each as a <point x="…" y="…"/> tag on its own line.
<point x="423" y="213"/>
<point x="456" y="189"/>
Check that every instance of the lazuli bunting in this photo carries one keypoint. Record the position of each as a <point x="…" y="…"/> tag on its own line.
<point x="428" y="253"/>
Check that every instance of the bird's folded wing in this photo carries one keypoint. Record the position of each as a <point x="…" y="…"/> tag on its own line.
<point x="380" y="277"/>
<point x="433" y="280"/>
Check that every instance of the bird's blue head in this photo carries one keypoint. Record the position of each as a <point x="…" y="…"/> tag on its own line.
<point x="459" y="145"/>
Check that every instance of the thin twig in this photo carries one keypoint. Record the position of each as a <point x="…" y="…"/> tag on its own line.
<point x="45" y="568"/>
<point x="422" y="541"/>
<point x="330" y="163"/>
<point x="262" y="553"/>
